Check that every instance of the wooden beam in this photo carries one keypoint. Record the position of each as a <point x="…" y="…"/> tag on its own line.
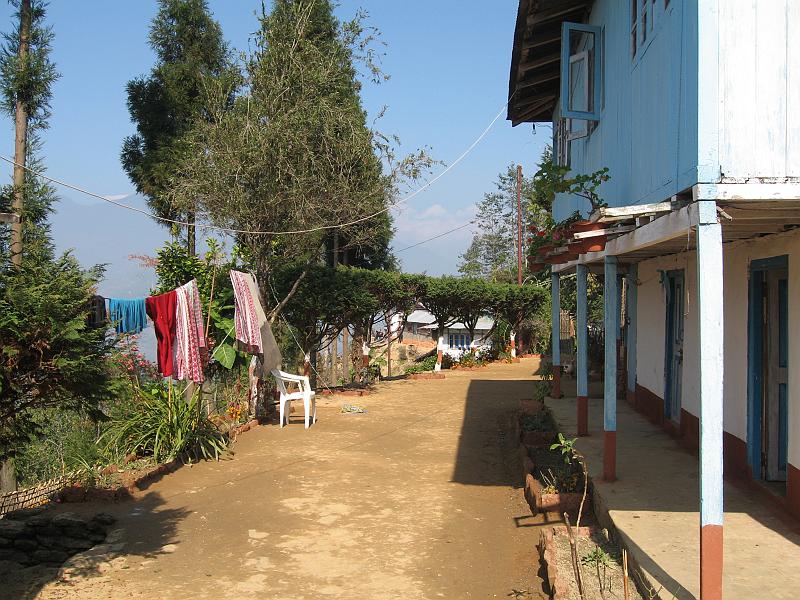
<point x="539" y="62"/>
<point x="539" y="78"/>
<point x="547" y="35"/>
<point x="616" y="213"/>
<point x="556" y="12"/>
<point x="531" y="112"/>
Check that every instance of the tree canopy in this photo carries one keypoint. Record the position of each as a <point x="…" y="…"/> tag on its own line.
<point x="191" y="54"/>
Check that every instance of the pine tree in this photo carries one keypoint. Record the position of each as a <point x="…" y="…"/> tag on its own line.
<point x="164" y="106"/>
<point x="49" y="357"/>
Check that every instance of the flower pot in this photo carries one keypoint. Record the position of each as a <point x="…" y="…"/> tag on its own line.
<point x="583" y="226"/>
<point x="592" y="244"/>
<point x="543" y="250"/>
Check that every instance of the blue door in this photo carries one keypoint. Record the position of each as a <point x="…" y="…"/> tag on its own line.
<point x="673" y="364"/>
<point x="768" y="366"/>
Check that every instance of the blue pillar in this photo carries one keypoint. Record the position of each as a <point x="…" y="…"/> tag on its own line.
<point x="583" y="352"/>
<point x="555" y="281"/>
<point x="632" y="294"/>
<point x="611" y="322"/>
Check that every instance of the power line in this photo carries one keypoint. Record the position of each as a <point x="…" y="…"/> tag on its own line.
<point x="247" y="232"/>
<point x="436" y="237"/>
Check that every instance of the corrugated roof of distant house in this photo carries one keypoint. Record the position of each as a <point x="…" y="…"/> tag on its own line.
<point x="484" y="324"/>
<point x="421" y="316"/>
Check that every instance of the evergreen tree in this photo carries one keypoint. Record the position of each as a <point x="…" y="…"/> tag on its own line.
<point x="493" y="251"/>
<point x="295" y="152"/>
<point x="48" y="356"/>
<point x="164" y="106"/>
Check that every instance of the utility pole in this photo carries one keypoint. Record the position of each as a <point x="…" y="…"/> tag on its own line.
<point x="519" y="225"/>
<point x="21" y="139"/>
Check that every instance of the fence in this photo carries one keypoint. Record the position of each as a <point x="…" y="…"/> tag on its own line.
<point x="36" y="495"/>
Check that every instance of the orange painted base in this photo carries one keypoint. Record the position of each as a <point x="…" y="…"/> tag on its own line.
<point x="711" y="562"/>
<point x="609" y="456"/>
<point x="555" y="392"/>
<point x="307" y="369"/>
<point x="583" y="415"/>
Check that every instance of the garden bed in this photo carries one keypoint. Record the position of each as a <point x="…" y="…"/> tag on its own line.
<point x="599" y="560"/>
<point x="417" y="376"/>
<point x="552" y="474"/>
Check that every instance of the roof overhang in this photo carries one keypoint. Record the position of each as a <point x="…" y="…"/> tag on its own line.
<point x="536" y="57"/>
<point x="674" y="232"/>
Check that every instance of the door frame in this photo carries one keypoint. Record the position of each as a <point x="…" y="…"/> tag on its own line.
<point x="755" y="356"/>
<point x="669" y="344"/>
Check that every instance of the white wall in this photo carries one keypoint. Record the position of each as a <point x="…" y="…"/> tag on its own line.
<point x="651" y="330"/>
<point x="759" y="79"/>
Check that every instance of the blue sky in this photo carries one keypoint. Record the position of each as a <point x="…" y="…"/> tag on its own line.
<point x="448" y="61"/>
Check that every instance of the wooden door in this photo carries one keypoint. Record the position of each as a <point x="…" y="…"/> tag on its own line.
<point x="774" y="420"/>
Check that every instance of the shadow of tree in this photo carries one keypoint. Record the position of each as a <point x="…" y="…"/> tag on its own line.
<point x="143" y="528"/>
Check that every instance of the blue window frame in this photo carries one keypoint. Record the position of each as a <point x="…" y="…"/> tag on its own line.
<point x="581" y="62"/>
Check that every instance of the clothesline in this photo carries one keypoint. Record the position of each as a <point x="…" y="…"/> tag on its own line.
<point x="178" y="321"/>
<point x="231" y="230"/>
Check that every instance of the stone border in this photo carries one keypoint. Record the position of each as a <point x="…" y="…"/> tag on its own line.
<point x="561" y="585"/>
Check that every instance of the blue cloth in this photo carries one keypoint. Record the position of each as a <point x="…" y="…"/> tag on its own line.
<point x="128" y="316"/>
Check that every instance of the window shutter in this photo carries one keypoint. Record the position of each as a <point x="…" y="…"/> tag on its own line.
<point x="581" y="61"/>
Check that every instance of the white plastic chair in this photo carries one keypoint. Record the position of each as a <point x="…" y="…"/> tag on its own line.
<point x="305" y="392"/>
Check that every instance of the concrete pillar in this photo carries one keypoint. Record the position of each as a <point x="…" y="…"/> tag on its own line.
<point x="555" y="291"/>
<point x="440" y="348"/>
<point x="632" y="291"/>
<point x="583" y="352"/>
<point x="513" y="337"/>
<point x="611" y="326"/>
<point x="711" y="335"/>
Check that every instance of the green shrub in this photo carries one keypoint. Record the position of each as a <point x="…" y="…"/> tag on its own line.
<point x="540" y="421"/>
<point x="426" y="364"/>
<point x="66" y="442"/>
<point x="164" y="425"/>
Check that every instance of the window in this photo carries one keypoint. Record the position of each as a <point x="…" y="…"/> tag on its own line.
<point x="634" y="22"/>
<point x="643" y="28"/>
<point x="561" y="142"/>
<point x="459" y="340"/>
<point x="581" y="61"/>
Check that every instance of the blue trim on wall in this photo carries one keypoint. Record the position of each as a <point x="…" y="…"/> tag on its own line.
<point x="767" y="264"/>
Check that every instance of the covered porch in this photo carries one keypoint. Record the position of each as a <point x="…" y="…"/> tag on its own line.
<point x="653" y="510"/>
<point x="703" y="228"/>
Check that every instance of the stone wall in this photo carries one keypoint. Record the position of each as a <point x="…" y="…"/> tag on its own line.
<point x="41" y="536"/>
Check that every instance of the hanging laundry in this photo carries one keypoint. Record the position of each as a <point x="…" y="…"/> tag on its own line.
<point x="252" y="326"/>
<point x="162" y="310"/>
<point x="128" y="316"/>
<point x="189" y="335"/>
<point x="97" y="312"/>
<point x="245" y="317"/>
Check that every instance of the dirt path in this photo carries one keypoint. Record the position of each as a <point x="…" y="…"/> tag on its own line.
<point x="417" y="499"/>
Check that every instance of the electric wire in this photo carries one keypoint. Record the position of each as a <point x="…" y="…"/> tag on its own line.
<point x="231" y="230"/>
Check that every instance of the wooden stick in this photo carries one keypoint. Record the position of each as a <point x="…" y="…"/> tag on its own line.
<point x="576" y="566"/>
<point x="625" y="573"/>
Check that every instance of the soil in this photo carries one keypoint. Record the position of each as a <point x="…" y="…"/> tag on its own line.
<point x="612" y="576"/>
<point x="419" y="498"/>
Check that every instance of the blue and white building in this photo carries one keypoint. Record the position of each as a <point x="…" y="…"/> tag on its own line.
<point x="694" y="106"/>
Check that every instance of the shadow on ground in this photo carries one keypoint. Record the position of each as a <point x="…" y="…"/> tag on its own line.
<point x="146" y="515"/>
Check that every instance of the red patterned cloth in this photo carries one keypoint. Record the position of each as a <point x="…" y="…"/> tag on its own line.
<point x="161" y="309"/>
<point x="189" y="335"/>
<point x="246" y="319"/>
